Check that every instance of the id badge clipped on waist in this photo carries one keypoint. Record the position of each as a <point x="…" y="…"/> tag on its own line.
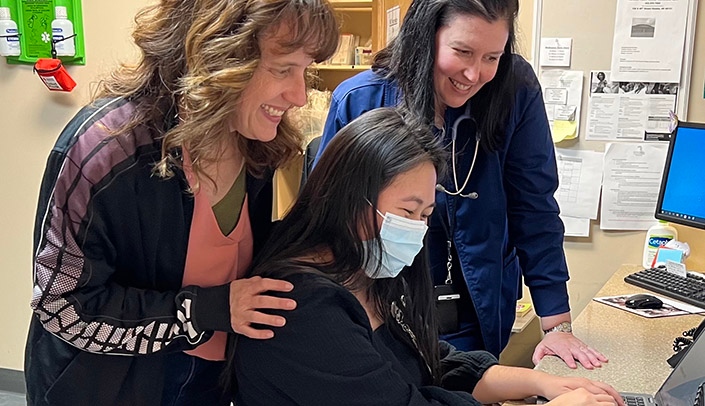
<point x="447" y="300"/>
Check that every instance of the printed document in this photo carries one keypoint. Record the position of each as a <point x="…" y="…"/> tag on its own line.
<point x="556" y="52"/>
<point x="579" y="182"/>
<point x="631" y="183"/>
<point x="393" y="23"/>
<point x="649" y="40"/>
<point x="628" y="111"/>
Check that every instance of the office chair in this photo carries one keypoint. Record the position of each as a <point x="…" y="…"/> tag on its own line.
<point x="309" y="156"/>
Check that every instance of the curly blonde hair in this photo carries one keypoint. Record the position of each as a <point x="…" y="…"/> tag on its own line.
<point x="199" y="56"/>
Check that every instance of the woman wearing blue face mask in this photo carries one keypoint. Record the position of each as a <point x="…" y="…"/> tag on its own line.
<point x="497" y="222"/>
<point x="364" y="331"/>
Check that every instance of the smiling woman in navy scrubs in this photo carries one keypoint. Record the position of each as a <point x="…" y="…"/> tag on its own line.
<point x="497" y="222"/>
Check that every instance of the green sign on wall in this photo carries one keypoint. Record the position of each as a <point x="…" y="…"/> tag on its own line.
<point x="34" y="21"/>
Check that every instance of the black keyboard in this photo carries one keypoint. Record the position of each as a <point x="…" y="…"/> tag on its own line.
<point x="690" y="289"/>
<point x="630" y="400"/>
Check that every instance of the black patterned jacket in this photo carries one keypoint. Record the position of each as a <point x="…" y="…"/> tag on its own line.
<point x="110" y="246"/>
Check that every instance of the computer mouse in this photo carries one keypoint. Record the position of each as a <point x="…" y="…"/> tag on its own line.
<point x="643" y="301"/>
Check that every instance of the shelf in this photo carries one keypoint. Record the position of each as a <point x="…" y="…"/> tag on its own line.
<point x="338" y="4"/>
<point x="522" y="320"/>
<point x="354" y="9"/>
<point x="342" y="68"/>
<point x="352" y="6"/>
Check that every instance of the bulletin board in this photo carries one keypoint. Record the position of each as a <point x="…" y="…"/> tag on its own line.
<point x="33" y="18"/>
<point x="591" y="26"/>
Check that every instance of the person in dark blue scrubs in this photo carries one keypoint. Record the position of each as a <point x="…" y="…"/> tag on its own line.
<point x="497" y="221"/>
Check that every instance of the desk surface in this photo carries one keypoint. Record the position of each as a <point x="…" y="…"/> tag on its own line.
<point x="637" y="347"/>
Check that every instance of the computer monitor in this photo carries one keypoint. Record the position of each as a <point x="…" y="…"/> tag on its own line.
<point x="681" y="197"/>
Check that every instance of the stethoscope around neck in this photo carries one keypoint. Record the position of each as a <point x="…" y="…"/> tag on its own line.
<point x="459" y="190"/>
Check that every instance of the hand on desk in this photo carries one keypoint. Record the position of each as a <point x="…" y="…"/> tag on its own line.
<point x="569" y="348"/>
<point x="582" y="397"/>
<point x="579" y="391"/>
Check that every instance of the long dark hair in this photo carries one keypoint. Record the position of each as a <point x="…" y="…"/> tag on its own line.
<point x="410" y="59"/>
<point x="334" y="205"/>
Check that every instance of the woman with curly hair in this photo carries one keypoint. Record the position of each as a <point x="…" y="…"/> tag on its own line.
<point x="157" y="195"/>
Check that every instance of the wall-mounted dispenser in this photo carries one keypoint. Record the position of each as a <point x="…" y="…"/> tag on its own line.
<point x="62" y="33"/>
<point x="9" y="35"/>
<point x="47" y="24"/>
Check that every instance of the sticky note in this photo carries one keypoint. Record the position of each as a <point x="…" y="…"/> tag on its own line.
<point x="564" y="130"/>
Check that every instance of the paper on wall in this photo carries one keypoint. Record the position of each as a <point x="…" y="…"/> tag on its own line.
<point x="393" y="23"/>
<point x="649" y="39"/>
<point x="632" y="176"/>
<point x="579" y="182"/>
<point x="628" y="111"/>
<point x="562" y="94"/>
<point x="556" y="52"/>
<point x="576" y="227"/>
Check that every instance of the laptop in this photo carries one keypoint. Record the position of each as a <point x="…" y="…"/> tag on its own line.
<point x="683" y="387"/>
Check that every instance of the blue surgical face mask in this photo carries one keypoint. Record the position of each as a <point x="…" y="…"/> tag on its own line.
<point x="402" y="239"/>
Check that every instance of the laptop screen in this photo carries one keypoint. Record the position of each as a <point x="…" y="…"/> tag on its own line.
<point x="682" y="385"/>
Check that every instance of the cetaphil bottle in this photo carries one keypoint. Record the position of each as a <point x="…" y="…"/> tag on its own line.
<point x="657" y="236"/>
<point x="62" y="28"/>
<point x="10" y="41"/>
